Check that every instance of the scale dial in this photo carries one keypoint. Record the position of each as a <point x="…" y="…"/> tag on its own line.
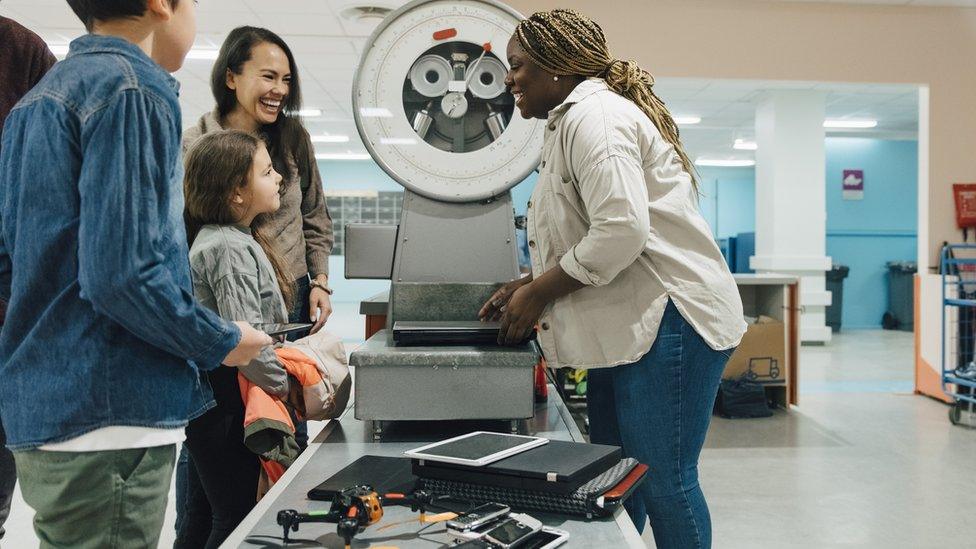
<point x="454" y="105"/>
<point x="385" y="108"/>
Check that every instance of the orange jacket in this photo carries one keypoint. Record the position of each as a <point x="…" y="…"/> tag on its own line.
<point x="318" y="365"/>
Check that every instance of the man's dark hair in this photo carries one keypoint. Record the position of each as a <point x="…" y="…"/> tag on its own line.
<point x="90" y="11"/>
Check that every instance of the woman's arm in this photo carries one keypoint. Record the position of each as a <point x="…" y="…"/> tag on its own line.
<point x="614" y="194"/>
<point x="319" y="238"/>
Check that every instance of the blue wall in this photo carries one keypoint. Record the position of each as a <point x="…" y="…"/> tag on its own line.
<point x="863" y="234"/>
<point x="866" y="234"/>
<point x="366" y="174"/>
<point x="728" y="200"/>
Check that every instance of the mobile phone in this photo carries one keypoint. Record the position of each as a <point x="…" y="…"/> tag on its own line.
<point x="547" y="538"/>
<point x="471" y="544"/>
<point x="513" y="531"/>
<point x="481" y="514"/>
<point x="283" y="329"/>
<point x="477" y="532"/>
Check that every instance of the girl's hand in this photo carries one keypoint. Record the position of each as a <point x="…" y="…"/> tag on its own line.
<point x="319" y="303"/>
<point x="493" y="308"/>
<point x="523" y="311"/>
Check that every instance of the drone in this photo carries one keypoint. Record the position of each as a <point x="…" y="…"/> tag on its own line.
<point x="355" y="508"/>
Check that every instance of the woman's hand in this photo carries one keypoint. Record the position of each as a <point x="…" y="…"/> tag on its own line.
<point x="493" y="308"/>
<point x="525" y="307"/>
<point x="319" y="302"/>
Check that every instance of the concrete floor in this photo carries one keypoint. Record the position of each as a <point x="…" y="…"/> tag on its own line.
<point x="861" y="462"/>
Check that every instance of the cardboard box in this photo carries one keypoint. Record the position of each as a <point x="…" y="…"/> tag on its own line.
<point x="762" y="354"/>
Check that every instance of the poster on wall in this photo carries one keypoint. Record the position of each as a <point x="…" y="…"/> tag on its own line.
<point x="853" y="184"/>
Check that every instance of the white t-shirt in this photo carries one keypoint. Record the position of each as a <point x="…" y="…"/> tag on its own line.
<point x="118" y="437"/>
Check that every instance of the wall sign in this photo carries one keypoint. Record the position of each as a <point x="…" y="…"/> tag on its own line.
<point x="853" y="184"/>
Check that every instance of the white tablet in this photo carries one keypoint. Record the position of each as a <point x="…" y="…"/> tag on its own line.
<point x="476" y="449"/>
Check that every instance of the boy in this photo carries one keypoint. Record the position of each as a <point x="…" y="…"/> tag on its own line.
<point x="101" y="353"/>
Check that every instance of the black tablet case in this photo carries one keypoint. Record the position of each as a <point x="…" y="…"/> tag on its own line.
<point x="558" y="467"/>
<point x="384" y="474"/>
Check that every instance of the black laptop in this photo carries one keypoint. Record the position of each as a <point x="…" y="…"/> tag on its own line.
<point x="445" y="332"/>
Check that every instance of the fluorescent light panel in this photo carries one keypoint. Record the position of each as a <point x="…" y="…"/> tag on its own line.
<point x="308" y="113"/>
<point x="687" y="120"/>
<point x="850" y="124"/>
<point x="743" y="145"/>
<point x="724" y="163"/>
<point x="61" y="50"/>
<point x="330" y="139"/>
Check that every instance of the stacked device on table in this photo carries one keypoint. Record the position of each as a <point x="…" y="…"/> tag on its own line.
<point x="484" y="477"/>
<point x="528" y="473"/>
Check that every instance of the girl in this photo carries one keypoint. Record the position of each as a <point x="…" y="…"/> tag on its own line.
<point x="626" y="278"/>
<point x="230" y="186"/>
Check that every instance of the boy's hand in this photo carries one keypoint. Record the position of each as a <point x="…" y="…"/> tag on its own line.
<point x="250" y="346"/>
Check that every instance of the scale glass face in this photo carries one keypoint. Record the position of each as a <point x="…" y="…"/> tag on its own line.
<point x="431" y="104"/>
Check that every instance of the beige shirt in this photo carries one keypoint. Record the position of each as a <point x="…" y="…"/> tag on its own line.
<point x="615" y="208"/>
<point x="302" y="227"/>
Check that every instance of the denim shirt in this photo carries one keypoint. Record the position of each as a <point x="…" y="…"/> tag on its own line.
<point x="102" y="328"/>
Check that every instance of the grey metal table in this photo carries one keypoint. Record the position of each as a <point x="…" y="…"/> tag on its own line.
<point x="342" y="442"/>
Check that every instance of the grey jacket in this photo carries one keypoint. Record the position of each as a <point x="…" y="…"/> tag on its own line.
<point x="233" y="277"/>
<point x="302" y="226"/>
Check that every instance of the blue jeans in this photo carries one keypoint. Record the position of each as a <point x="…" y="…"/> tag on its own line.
<point x="658" y="410"/>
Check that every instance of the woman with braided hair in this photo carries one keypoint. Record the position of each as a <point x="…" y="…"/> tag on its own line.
<point x="626" y="281"/>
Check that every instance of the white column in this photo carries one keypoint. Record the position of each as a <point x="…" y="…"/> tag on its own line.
<point x="791" y="212"/>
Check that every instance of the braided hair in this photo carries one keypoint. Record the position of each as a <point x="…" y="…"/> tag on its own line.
<point x="565" y="42"/>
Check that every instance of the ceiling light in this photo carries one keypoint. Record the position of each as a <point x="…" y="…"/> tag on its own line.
<point x="727" y="163"/>
<point x="308" y="113"/>
<point x="330" y="139"/>
<point x="743" y="145"/>
<point x="850" y="124"/>
<point x="397" y="141"/>
<point x="687" y="120"/>
<point x="200" y="53"/>
<point x="342" y="156"/>
<point x="375" y="112"/>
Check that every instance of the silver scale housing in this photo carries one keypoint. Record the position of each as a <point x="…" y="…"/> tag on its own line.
<point x="456" y="239"/>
